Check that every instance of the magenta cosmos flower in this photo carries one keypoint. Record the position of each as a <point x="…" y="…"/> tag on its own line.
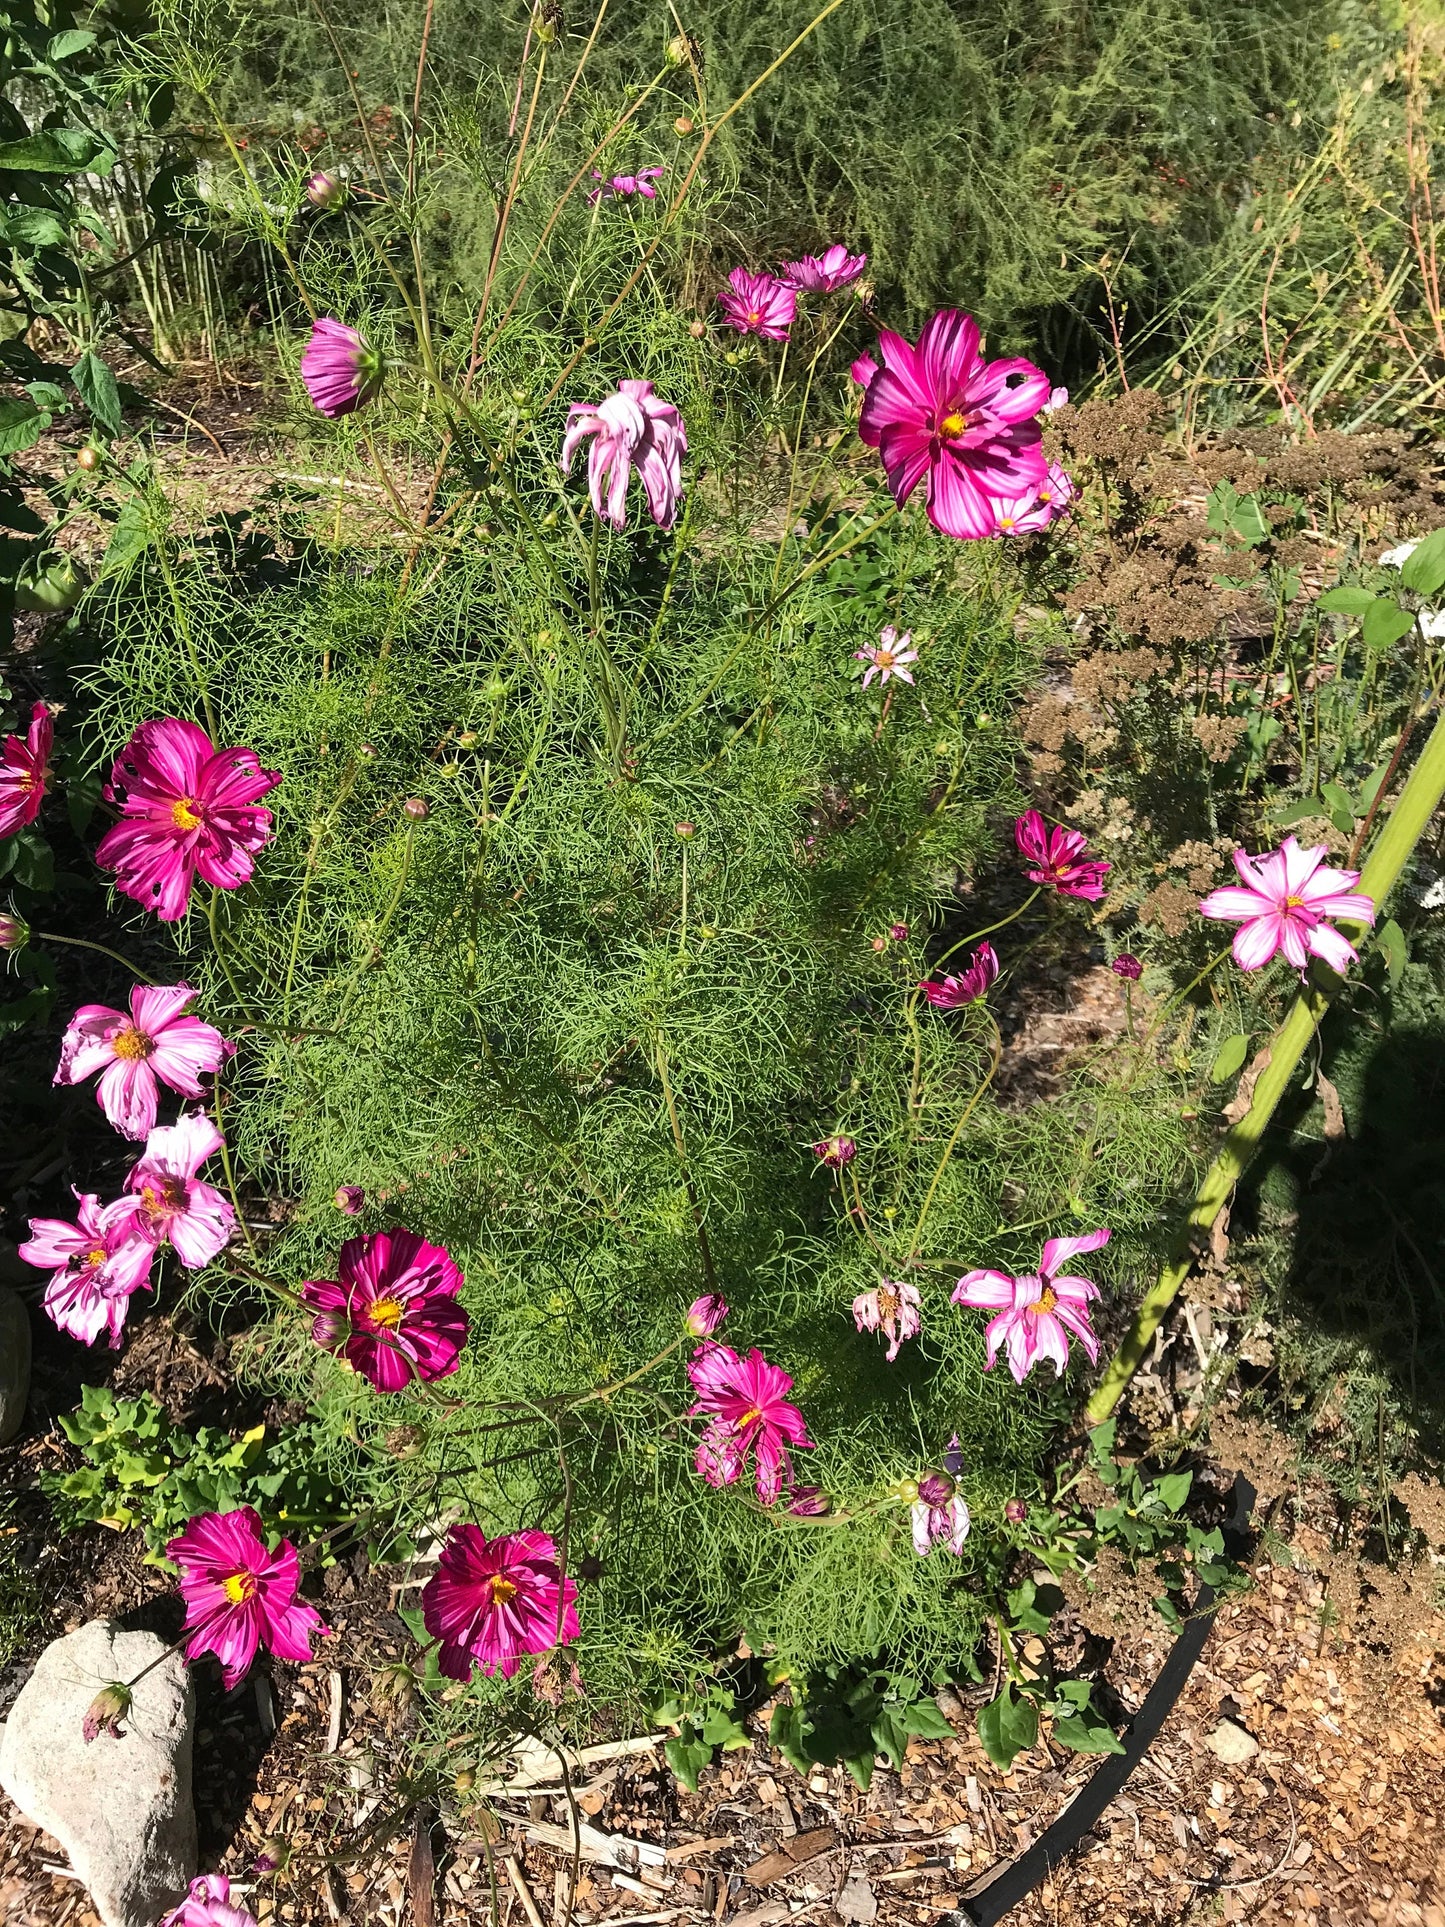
<point x="746" y="1412"/>
<point x="632" y="428"/>
<point x="188" y="810"/>
<point x="393" y="1311"/>
<point x="25" y="772"/>
<point x="340" y="368"/>
<point x="94" y="1267"/>
<point x="1058" y="858"/>
<point x="940" y="411"/>
<point x="167" y="1203"/>
<point x="889" y="656"/>
<point x="1037" y="1312"/>
<point x="835" y="1151"/>
<point x="158" y="1043"/>
<point x="952" y="993"/>
<point x="758" y="304"/>
<point x="1127" y="966"/>
<point x="1027" y="514"/>
<point x="891" y="1308"/>
<point x="705" y="1314"/>
<point x="823" y="273"/>
<point x="939" y="1515"/>
<point x="240" y="1596"/>
<point x="208" y="1903"/>
<point x="1283" y="905"/>
<point x="492" y="1600"/>
<point x="622" y="187"/>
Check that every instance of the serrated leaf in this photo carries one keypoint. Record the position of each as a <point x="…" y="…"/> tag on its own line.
<point x="1385" y="622"/>
<point x="1424" y="570"/>
<point x="1230" y="1057"/>
<point x="1390" y="941"/>
<point x="21" y="425"/>
<point x="1349" y="599"/>
<point x="98" y="391"/>
<point x="60" y="150"/>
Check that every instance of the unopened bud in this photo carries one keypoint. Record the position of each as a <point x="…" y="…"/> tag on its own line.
<point x="1015" y="1511"/>
<point x="697" y="329"/>
<point x="880" y="943"/>
<point x="835" y="1151"/>
<point x="705" y="1314"/>
<point x="809" y="1502"/>
<point x="1127" y="966"/>
<point x="415" y="808"/>
<point x="274" y="1855"/>
<point x="89" y="458"/>
<point x="685" y="830"/>
<point x="325" y="191"/>
<point x="367" y="752"/>
<point x="467" y="739"/>
<point x="677" y="50"/>
<point x="351" y="1199"/>
<point x="14" y="932"/>
<point x="106" y="1711"/>
<point x="683" y="126"/>
<point x="898" y="932"/>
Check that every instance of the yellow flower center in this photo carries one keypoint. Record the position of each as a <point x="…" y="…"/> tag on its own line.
<point x="887" y="1302"/>
<point x="953" y="424"/>
<point x="1005" y="522"/>
<point x="94" y="1258"/>
<point x="239" y="1587"/>
<point x="754" y="316"/>
<point x="503" y="1592"/>
<point x="750" y="1417"/>
<point x="883" y="658"/>
<point x="132" y="1044"/>
<point x="387" y="1312"/>
<point x="160" y="1204"/>
<point x="186" y="813"/>
<point x="1043" y="1304"/>
<point x="1294" y="903"/>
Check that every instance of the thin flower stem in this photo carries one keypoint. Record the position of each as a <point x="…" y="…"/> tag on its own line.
<point x="226" y="1167"/>
<point x="969" y="1108"/>
<point x="84" y="943"/>
<point x="704" y="1248"/>
<point x="222" y="958"/>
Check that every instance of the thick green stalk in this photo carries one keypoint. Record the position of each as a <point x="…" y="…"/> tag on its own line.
<point x="1407" y="823"/>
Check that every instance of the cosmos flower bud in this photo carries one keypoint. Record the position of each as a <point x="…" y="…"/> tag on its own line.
<point x="351" y="1199"/>
<point x="685" y="830"/>
<point x="835" y="1151"/>
<point x="810" y="1502"/>
<point x="14" y="932"/>
<point x="898" y="932"/>
<point x="677" y="50"/>
<point x="1015" y="1511"/>
<point x="274" y="1855"/>
<point x="367" y="752"/>
<point x="1127" y="966"/>
<point x="705" y="1314"/>
<point x="106" y="1711"/>
<point x="684" y="126"/>
<point x="415" y="808"/>
<point x="325" y="191"/>
<point x="697" y="329"/>
<point x="89" y="458"/>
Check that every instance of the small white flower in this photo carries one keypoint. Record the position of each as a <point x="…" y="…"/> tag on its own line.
<point x="1397" y="558"/>
<point x="888" y="657"/>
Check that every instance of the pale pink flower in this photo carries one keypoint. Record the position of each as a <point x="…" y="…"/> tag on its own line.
<point x="393" y="1310"/>
<point x="158" y="1043"/>
<point x="938" y="411"/>
<point x="747" y="1412"/>
<point x="1283" y="905"/>
<point x="889" y="656"/>
<point x="1058" y="398"/>
<point x="951" y="993"/>
<point x="167" y="1203"/>
<point x="633" y="428"/>
<point x="1027" y="514"/>
<point x="823" y="273"/>
<point x="25" y="771"/>
<point x="758" y="304"/>
<point x="94" y="1267"/>
<point x="238" y="1595"/>
<point x="1037" y="1312"/>
<point x="492" y="1600"/>
<point x="705" y="1314"/>
<point x="209" y="1904"/>
<point x="939" y="1515"/>
<point x="892" y="1308"/>
<point x="623" y="186"/>
<point x="1059" y="858"/>
<point x="340" y="368"/>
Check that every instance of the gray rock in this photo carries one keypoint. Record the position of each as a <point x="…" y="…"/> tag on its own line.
<point x="121" y="1808"/>
<point x="14" y="1363"/>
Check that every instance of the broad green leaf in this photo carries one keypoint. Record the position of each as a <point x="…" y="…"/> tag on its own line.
<point x="1424" y="571"/>
<point x="65" y="46"/>
<point x="1338" y="799"/>
<point x="1230" y="1057"/>
<point x="1086" y="1735"/>
<point x="98" y="390"/>
<point x="130" y="537"/>
<point x="1249" y="521"/>
<point x="785" y="1735"/>
<point x="34" y="227"/>
<point x="1173" y="1489"/>
<point x="1008" y="1727"/>
<point x="1343" y="820"/>
<point x="687" y="1755"/>
<point x="1390" y="941"/>
<point x="1370" y="788"/>
<point x="1223" y="500"/>
<point x="1385" y="622"/>
<point x="1349" y="599"/>
<point x="21" y="425"/>
<point x="1292" y="813"/>
<point x="61" y="150"/>
<point x="924" y="1720"/>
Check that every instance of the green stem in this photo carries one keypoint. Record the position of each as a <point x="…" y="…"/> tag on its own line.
<point x="83" y="943"/>
<point x="1406" y="824"/>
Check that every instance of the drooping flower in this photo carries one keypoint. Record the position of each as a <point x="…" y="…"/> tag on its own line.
<point x="743" y="1400"/>
<point x="809" y="1502"/>
<point x="158" y="1043"/>
<point x="939" y="410"/>
<point x="1036" y="1312"/>
<point x="1058" y="858"/>
<point x="393" y="1311"/>
<point x="350" y="1200"/>
<point x="892" y="1308"/>
<point x="633" y="428"/>
<point x="188" y="810"/>
<point x="1127" y="966"/>
<point x="492" y="1600"/>
<point x="939" y="1515"/>
<point x="166" y="1203"/>
<point x="889" y="656"/>
<point x="238" y="1595"/>
<point x="209" y="1904"/>
<point x="823" y="273"/>
<point x="94" y="1264"/>
<point x="835" y="1151"/>
<point x="1286" y="899"/>
<point x="106" y="1711"/>
<point x="758" y="304"/>
<point x="340" y="368"/>
<point x="25" y="771"/>
<point x="952" y="993"/>
<point x="705" y="1314"/>
<point x="623" y="186"/>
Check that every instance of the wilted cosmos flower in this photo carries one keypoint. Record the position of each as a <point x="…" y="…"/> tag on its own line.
<point x="705" y="1314"/>
<point x="743" y="1400"/>
<point x="157" y="1043"/>
<point x="633" y="428"/>
<point x="1283" y="905"/>
<point x="758" y="304"/>
<point x="492" y="1600"/>
<point x="952" y="993"/>
<point x="889" y="656"/>
<point x="939" y="1515"/>
<point x="623" y="186"/>
<point x="209" y="1904"/>
<point x="1037" y="1312"/>
<point x="340" y="368"/>
<point x="823" y="273"/>
<point x="1058" y="858"/>
<point x="939" y="411"/>
<point x="1127" y="966"/>
<point x="167" y="1203"/>
<point x="94" y="1264"/>
<point x="187" y="810"/>
<point x="835" y="1151"/>
<point x="25" y="771"/>
<point x="238" y="1595"/>
<point x="350" y="1199"/>
<point x="809" y="1502"/>
<point x="891" y="1308"/>
<point x="106" y="1711"/>
<point x="393" y="1311"/>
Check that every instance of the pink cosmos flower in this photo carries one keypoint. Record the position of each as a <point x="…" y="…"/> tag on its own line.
<point x="758" y="304"/>
<point x="209" y="1904"/>
<point x="632" y="428"/>
<point x="491" y="1601"/>
<point x="340" y="368"/>
<point x="836" y="1151"/>
<point x="1058" y="398"/>
<point x="188" y="810"/>
<point x="889" y="656"/>
<point x="394" y="1310"/>
<point x="167" y="1202"/>
<point x="952" y="993"/>
<point x="1283" y="905"/>
<point x="240" y="1596"/>
<point x="1127" y="966"/>
<point x="823" y="273"/>
<point x="705" y="1314"/>
<point x="939" y="410"/>
<point x="350" y="1200"/>
<point x="1058" y="858"/>
<point x="156" y="1044"/>
<point x="891" y="1308"/>
<point x="1027" y="514"/>
<point x="939" y="1515"/>
<point x="25" y="771"/>
<point x="747" y="1412"/>
<point x="623" y="186"/>
<point x="94" y="1267"/>
<point x="1036" y="1313"/>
